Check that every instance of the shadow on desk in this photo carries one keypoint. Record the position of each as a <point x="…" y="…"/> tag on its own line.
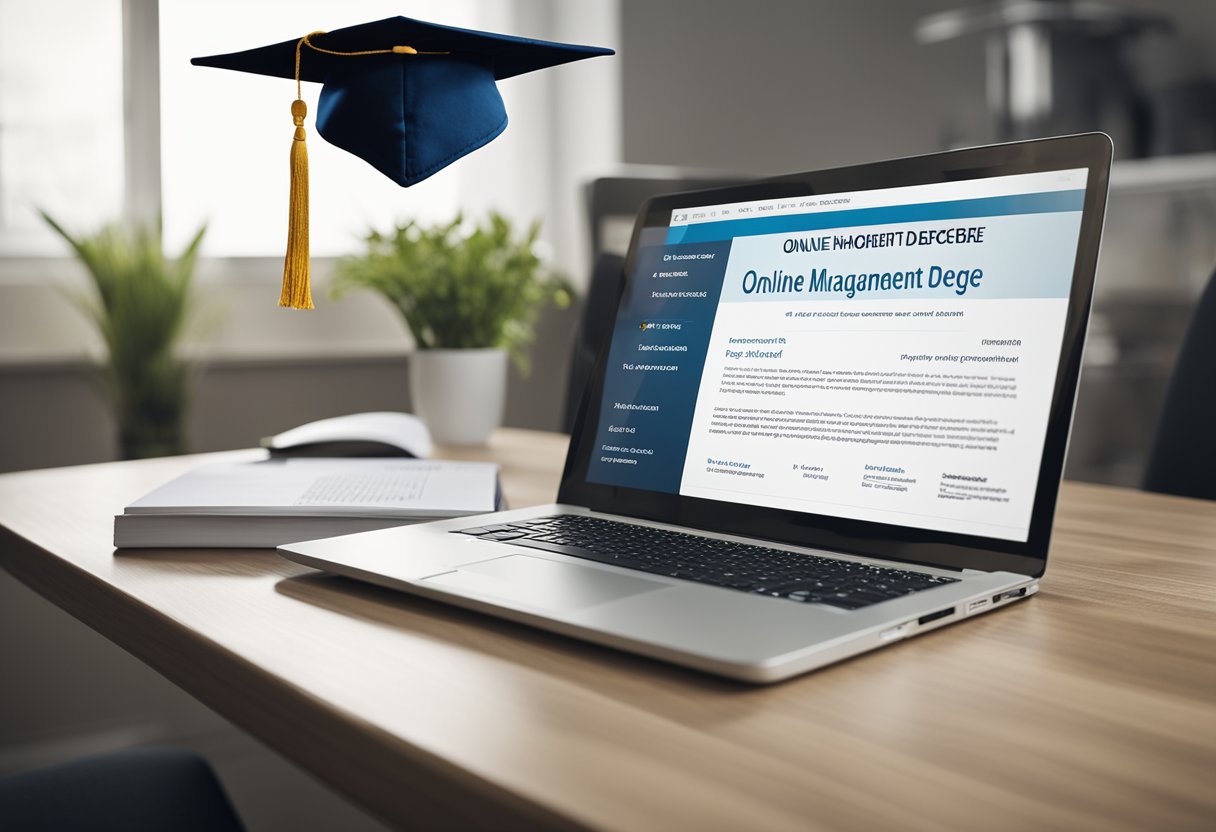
<point x="499" y="638"/>
<point x="215" y="562"/>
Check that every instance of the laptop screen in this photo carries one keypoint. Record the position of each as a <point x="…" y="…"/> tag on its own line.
<point x="881" y="355"/>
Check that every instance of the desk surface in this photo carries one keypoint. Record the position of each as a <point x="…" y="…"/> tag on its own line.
<point x="1089" y="707"/>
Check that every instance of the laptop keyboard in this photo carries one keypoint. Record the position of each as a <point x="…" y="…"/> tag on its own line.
<point x="809" y="579"/>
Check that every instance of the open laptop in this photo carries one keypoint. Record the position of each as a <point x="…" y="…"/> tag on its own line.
<point x="833" y="414"/>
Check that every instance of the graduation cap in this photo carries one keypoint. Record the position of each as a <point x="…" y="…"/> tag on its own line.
<point x="406" y="96"/>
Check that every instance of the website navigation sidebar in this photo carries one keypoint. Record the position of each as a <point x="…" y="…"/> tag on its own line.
<point x="655" y="362"/>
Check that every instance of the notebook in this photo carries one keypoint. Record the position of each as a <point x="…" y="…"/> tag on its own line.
<point x="832" y="415"/>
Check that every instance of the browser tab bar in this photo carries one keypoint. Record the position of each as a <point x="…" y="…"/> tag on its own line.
<point x="1061" y="180"/>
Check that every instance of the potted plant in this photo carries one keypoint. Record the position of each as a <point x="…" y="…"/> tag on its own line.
<point x="469" y="295"/>
<point x="139" y="304"/>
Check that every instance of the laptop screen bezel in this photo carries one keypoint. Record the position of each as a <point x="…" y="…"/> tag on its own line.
<point x="891" y="542"/>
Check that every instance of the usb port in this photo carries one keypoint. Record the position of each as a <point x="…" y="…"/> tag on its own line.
<point x="1013" y="593"/>
<point x="933" y="616"/>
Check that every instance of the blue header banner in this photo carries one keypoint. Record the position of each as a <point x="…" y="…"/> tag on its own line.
<point x="992" y="206"/>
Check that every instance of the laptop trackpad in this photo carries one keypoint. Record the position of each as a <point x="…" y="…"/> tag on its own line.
<point x="547" y="584"/>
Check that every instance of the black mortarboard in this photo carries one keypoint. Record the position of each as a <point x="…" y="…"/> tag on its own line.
<point x="406" y="96"/>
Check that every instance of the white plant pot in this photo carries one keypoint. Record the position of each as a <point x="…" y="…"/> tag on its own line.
<point x="459" y="394"/>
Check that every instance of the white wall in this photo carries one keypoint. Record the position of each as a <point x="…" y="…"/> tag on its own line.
<point x="777" y="86"/>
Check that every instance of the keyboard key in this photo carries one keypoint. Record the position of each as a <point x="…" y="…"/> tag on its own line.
<point x="868" y="597"/>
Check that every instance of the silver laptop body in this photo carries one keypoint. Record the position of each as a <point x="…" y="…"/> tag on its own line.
<point x="771" y="383"/>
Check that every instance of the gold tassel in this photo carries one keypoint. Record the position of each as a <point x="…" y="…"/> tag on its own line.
<point x="297" y="293"/>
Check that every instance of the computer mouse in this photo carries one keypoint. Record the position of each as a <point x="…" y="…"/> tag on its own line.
<point x="380" y="433"/>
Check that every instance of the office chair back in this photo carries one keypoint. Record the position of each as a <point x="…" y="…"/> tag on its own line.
<point x="1183" y="456"/>
<point x="595" y="325"/>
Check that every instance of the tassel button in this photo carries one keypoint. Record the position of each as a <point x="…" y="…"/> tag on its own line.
<point x="298" y="110"/>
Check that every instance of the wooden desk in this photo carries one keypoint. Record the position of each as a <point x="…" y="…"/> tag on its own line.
<point x="1089" y="707"/>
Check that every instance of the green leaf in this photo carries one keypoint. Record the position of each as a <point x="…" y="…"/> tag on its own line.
<point x="139" y="304"/>
<point x="458" y="286"/>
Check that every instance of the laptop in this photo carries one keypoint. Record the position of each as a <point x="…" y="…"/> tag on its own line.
<point x="832" y="415"/>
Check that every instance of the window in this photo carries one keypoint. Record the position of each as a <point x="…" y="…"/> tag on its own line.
<point x="205" y="145"/>
<point x="61" y="111"/>
<point x="226" y="136"/>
